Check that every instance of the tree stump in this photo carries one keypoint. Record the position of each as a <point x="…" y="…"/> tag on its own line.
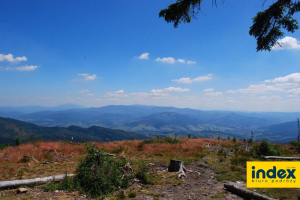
<point x="175" y="166"/>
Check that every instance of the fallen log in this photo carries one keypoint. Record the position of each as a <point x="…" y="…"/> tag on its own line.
<point x="16" y="183"/>
<point x="282" y="158"/>
<point x="248" y="194"/>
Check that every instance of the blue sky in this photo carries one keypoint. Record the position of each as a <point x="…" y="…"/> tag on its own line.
<point x="97" y="53"/>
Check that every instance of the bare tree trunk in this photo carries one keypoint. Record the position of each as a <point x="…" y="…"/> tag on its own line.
<point x="246" y="193"/>
<point x="16" y="183"/>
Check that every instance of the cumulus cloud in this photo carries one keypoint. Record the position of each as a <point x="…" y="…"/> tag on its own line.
<point x="259" y="89"/>
<point x="209" y="90"/>
<point x="287" y="43"/>
<point x="144" y="56"/>
<point x="291" y="78"/>
<point x="295" y="91"/>
<point x="170" y="89"/>
<point x="10" y="58"/>
<point x="87" y="77"/>
<point x="198" y="79"/>
<point x="22" y="68"/>
<point x="171" y="60"/>
<point x="119" y="92"/>
<point x="168" y="60"/>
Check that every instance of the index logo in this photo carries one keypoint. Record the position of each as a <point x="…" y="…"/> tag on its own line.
<point x="273" y="174"/>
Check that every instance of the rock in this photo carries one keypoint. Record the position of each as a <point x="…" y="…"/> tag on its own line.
<point x="22" y="190"/>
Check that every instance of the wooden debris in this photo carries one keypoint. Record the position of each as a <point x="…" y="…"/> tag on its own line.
<point x="282" y="158"/>
<point x="246" y="193"/>
<point x="16" y="183"/>
<point x="22" y="190"/>
<point x="127" y="167"/>
<point x="177" y="166"/>
<point x="150" y="164"/>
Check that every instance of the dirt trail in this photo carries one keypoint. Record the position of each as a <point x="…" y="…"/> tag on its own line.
<point x="194" y="186"/>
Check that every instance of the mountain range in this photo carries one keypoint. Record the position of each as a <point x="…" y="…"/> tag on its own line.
<point x="10" y="129"/>
<point x="163" y="120"/>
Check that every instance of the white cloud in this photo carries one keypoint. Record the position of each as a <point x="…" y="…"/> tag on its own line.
<point x="286" y="85"/>
<point x="287" y="43"/>
<point x="88" y="77"/>
<point x="295" y="91"/>
<point x="144" y="56"/>
<point x="198" y="79"/>
<point x="190" y="62"/>
<point x="209" y="90"/>
<point x="291" y="78"/>
<point x="10" y="58"/>
<point x="259" y="89"/>
<point x="171" y="60"/>
<point x="168" y="60"/>
<point x="119" y="92"/>
<point x="170" y="89"/>
<point x="214" y="94"/>
<point x="27" y="68"/>
<point x="22" y="68"/>
<point x="82" y="91"/>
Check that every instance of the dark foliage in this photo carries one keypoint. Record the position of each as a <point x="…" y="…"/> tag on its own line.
<point x="267" y="25"/>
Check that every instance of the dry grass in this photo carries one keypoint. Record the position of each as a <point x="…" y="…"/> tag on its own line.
<point x="64" y="156"/>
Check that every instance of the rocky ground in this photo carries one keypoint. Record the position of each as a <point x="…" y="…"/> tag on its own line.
<point x="194" y="186"/>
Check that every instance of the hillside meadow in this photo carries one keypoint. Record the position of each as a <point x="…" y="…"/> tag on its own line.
<point x="217" y="161"/>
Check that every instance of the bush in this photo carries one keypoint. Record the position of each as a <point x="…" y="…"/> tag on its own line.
<point x="234" y="139"/>
<point x="99" y="174"/>
<point x="265" y="149"/>
<point x="296" y="145"/>
<point x="142" y="174"/>
<point x="18" y="141"/>
<point x="131" y="194"/>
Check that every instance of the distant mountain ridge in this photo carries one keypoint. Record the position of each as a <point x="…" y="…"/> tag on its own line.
<point x="163" y="120"/>
<point x="10" y="129"/>
<point x="10" y="111"/>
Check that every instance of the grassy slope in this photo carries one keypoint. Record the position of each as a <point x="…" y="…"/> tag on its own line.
<point x="219" y="157"/>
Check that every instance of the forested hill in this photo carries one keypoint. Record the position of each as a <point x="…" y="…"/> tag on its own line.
<point x="10" y="129"/>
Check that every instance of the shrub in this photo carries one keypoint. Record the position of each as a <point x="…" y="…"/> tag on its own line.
<point x="142" y="174"/>
<point x="296" y="145"/>
<point x="99" y="174"/>
<point x="265" y="149"/>
<point x="18" y="141"/>
<point x="234" y="139"/>
<point x="131" y="194"/>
